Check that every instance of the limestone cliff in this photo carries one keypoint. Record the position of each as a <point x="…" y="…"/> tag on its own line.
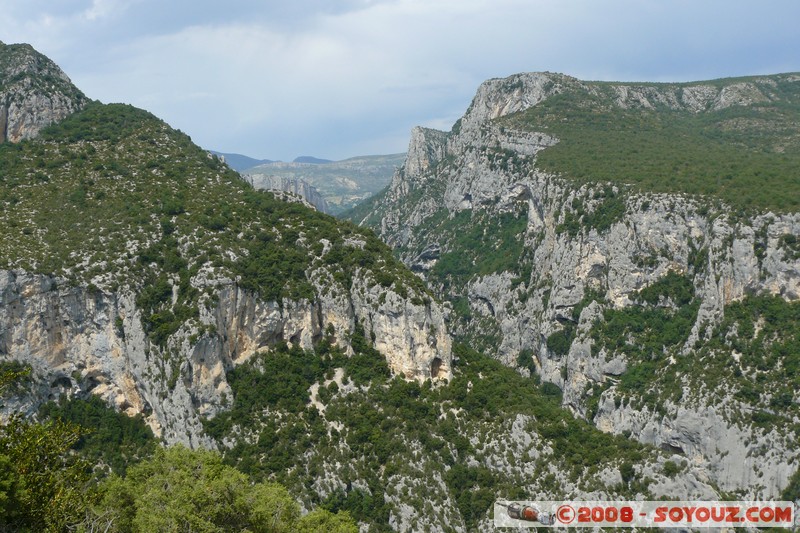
<point x="81" y="341"/>
<point x="541" y="259"/>
<point x="34" y="93"/>
<point x="298" y="187"/>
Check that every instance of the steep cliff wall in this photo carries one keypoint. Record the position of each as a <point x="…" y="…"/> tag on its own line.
<point x="538" y="267"/>
<point x="82" y="341"/>
<point x="297" y="187"/>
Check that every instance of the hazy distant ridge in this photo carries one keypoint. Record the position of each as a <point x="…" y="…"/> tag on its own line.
<point x="239" y="162"/>
<point x="342" y="184"/>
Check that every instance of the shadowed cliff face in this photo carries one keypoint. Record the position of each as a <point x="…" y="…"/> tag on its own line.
<point x="34" y="93"/>
<point x="570" y="279"/>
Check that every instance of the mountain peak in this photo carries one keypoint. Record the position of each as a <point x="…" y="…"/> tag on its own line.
<point x="34" y="93"/>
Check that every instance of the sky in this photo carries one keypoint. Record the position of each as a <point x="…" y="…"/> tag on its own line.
<point x="341" y="78"/>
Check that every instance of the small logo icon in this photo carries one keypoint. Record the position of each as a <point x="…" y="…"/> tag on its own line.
<point x="565" y="514"/>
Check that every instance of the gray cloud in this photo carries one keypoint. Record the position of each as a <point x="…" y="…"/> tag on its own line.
<point x="336" y="79"/>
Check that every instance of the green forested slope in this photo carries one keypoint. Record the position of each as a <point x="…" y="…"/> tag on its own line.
<point x="112" y="196"/>
<point x="746" y="155"/>
<point x="379" y="434"/>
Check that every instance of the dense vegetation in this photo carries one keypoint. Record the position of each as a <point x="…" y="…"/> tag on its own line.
<point x="647" y="334"/>
<point x="746" y="155"/>
<point x="609" y="208"/>
<point x="139" y="205"/>
<point x="368" y="442"/>
<point x="182" y="490"/>
<point x="478" y="244"/>
<point x="765" y="330"/>
<point x="53" y="478"/>
<point x="42" y="485"/>
<point x="107" y="437"/>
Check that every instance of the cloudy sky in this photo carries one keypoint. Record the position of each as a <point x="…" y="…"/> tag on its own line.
<point x="339" y="78"/>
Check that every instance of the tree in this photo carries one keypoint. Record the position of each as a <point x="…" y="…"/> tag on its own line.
<point x="192" y="490"/>
<point x="43" y="487"/>
<point x="627" y="472"/>
<point x="322" y="520"/>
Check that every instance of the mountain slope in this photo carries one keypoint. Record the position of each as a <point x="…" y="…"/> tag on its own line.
<point x="136" y="266"/>
<point x="403" y="457"/>
<point x="564" y="223"/>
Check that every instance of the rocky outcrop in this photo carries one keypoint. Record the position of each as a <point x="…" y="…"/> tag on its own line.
<point x="34" y="94"/>
<point x="308" y="193"/>
<point x="705" y="437"/>
<point x="502" y="96"/>
<point x="425" y="149"/>
<point x="490" y="169"/>
<point x="80" y="341"/>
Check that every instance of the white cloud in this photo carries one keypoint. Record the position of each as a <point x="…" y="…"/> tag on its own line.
<point x="275" y="79"/>
<point x="101" y="9"/>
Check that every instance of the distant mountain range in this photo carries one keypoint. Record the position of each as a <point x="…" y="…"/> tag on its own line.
<point x="239" y="162"/>
<point x="295" y="186"/>
<point x="311" y="159"/>
<point x="343" y="184"/>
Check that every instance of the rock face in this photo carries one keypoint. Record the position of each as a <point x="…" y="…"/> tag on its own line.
<point x="93" y="342"/>
<point x="426" y="149"/>
<point x="297" y="187"/>
<point x="487" y="169"/>
<point x="36" y="93"/>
